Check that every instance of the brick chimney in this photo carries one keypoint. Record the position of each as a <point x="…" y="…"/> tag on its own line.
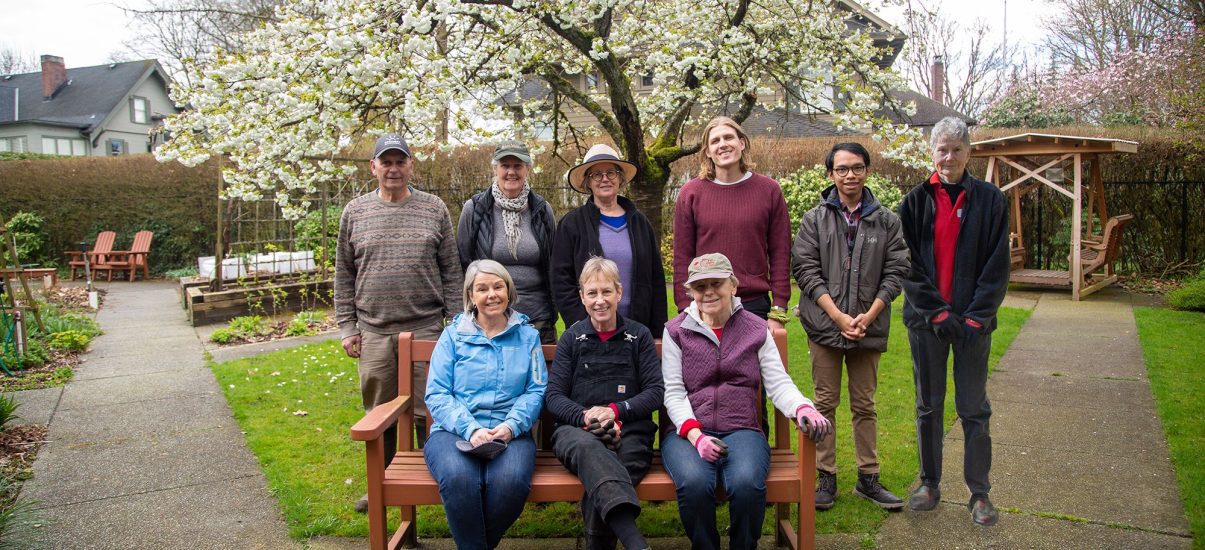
<point x="937" y="75"/>
<point x="54" y="75"/>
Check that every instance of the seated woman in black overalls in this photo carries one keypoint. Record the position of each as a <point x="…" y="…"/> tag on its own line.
<point x="603" y="386"/>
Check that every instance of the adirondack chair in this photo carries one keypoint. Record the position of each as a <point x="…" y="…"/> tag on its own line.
<point x="98" y="255"/>
<point x="130" y="260"/>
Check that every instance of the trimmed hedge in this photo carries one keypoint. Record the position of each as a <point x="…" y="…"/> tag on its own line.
<point x="79" y="197"/>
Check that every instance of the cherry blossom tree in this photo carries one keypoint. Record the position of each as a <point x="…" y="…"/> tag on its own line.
<point x="324" y="72"/>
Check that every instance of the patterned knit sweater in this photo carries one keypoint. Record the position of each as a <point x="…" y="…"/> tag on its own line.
<point x="396" y="265"/>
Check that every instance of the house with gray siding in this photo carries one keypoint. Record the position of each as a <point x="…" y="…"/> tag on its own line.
<point x="86" y="111"/>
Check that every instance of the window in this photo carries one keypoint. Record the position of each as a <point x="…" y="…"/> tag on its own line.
<point x="592" y="81"/>
<point x="116" y="147"/>
<point x="13" y="144"/>
<point x="140" y="110"/>
<point x="646" y="80"/>
<point x="64" y="146"/>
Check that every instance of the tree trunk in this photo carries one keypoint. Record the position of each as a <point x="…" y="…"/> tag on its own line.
<point x="648" y="192"/>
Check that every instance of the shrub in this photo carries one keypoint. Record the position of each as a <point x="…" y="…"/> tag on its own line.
<point x="222" y="336"/>
<point x="8" y="410"/>
<point x="181" y="272"/>
<point x="19" y="522"/>
<point x="71" y="340"/>
<point x="249" y="325"/>
<point x="298" y="327"/>
<point x="802" y="191"/>
<point x="1191" y="296"/>
<point x="28" y="230"/>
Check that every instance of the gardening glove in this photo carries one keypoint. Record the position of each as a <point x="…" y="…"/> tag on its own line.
<point x="814" y="424"/>
<point x="971" y="328"/>
<point x="710" y="449"/>
<point x="948" y="327"/>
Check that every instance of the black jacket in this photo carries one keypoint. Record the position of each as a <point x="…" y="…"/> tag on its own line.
<point x="822" y="263"/>
<point x="981" y="257"/>
<point x="587" y="372"/>
<point x="480" y="240"/>
<point x="577" y="240"/>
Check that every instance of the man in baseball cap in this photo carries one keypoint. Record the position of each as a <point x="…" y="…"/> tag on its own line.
<point x="394" y="224"/>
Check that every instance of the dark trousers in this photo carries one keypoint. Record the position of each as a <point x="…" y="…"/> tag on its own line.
<point x="929" y="359"/>
<point x="609" y="478"/>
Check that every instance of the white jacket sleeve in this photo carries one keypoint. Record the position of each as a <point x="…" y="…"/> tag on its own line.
<point x="779" y="387"/>
<point x="676" y="402"/>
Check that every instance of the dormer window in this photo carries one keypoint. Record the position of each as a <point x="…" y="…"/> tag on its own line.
<point x="140" y="110"/>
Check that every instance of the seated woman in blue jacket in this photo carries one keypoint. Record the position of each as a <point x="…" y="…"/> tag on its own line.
<point x="603" y="387"/>
<point x="485" y="389"/>
<point x="715" y="356"/>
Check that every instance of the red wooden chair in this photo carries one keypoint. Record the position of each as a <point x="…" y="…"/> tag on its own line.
<point x="97" y="256"/>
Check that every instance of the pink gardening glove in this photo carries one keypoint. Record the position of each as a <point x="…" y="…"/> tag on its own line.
<point x="710" y="448"/>
<point x="812" y="422"/>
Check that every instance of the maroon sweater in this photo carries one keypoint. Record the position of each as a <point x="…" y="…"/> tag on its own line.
<point x="747" y="222"/>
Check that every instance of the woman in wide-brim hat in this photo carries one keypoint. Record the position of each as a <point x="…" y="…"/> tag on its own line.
<point x="608" y="225"/>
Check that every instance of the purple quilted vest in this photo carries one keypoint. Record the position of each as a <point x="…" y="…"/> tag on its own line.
<point x="722" y="384"/>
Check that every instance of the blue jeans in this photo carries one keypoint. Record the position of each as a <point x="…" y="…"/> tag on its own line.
<point x="481" y="498"/>
<point x="742" y="473"/>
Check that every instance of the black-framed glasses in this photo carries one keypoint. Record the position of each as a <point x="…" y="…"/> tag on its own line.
<point x="857" y="169"/>
<point x="609" y="174"/>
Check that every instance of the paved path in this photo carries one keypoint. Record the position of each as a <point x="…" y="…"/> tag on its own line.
<point x="1079" y="456"/>
<point x="143" y="451"/>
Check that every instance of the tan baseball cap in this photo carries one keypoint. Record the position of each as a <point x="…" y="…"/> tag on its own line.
<point x="709" y="266"/>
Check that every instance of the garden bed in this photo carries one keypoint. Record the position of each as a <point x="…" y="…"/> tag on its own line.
<point x="293" y="292"/>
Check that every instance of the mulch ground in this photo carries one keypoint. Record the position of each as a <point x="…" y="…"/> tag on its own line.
<point x="18" y="449"/>
<point x="278" y="330"/>
<point x="74" y="299"/>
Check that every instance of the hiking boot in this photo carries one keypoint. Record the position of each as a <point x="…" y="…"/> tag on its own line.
<point x="869" y="488"/>
<point x="362" y="505"/>
<point x="982" y="511"/>
<point x="826" y="490"/>
<point x="924" y="498"/>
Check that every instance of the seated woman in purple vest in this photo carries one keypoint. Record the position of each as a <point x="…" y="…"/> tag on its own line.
<point x="715" y="356"/>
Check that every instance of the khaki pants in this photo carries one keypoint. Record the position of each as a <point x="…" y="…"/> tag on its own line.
<point x="863" y="368"/>
<point x="378" y="377"/>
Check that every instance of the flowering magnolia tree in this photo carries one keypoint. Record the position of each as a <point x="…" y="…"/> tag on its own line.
<point x="325" y="72"/>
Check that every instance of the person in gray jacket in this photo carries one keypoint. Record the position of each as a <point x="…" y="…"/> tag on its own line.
<point x="849" y="259"/>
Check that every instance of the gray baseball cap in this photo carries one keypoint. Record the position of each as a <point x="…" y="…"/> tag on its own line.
<point x="390" y="142"/>
<point x="512" y="148"/>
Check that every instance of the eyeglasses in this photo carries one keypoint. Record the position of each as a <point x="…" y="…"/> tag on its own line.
<point x="608" y="174"/>
<point x="858" y="170"/>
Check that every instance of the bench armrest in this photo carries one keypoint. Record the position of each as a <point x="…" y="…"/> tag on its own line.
<point x="380" y="418"/>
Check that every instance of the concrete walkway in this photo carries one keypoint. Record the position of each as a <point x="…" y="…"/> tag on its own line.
<point x="1079" y="456"/>
<point x="143" y="452"/>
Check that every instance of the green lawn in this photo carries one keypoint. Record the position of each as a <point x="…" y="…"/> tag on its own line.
<point x="1172" y="347"/>
<point x="316" y="471"/>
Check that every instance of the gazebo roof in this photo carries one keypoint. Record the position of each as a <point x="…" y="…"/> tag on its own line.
<point x="1049" y="144"/>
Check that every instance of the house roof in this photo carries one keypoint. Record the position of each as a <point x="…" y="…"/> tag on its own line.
<point x="85" y="101"/>
<point x="928" y="112"/>
<point x="1050" y="144"/>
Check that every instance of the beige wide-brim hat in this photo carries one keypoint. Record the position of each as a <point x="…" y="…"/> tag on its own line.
<point x="598" y="154"/>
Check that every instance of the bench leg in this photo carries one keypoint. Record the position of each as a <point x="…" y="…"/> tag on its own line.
<point x="407" y="531"/>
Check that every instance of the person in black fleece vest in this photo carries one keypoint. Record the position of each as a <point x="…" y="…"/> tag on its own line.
<point x="956" y="227"/>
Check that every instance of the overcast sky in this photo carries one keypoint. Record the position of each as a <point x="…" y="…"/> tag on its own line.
<point x="89" y="32"/>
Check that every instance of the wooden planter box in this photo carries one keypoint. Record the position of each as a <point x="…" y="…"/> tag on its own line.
<point x="206" y="307"/>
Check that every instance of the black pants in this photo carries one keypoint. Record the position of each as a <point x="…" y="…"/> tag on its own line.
<point x="760" y="307"/>
<point x="609" y="478"/>
<point x="929" y="360"/>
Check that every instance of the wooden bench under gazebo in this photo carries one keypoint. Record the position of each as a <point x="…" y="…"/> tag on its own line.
<point x="1091" y="255"/>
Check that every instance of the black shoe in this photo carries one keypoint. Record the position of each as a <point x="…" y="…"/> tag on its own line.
<point x="362" y="505"/>
<point x="826" y="490"/>
<point x="924" y="498"/>
<point x="869" y="488"/>
<point x="982" y="511"/>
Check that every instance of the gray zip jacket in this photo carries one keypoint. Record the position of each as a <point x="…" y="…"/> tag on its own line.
<point x="823" y="264"/>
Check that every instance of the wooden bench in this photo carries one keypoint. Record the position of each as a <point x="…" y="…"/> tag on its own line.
<point x="51" y="272"/>
<point x="407" y="482"/>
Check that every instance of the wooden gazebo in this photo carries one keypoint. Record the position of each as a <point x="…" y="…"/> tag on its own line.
<point x="1025" y="160"/>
